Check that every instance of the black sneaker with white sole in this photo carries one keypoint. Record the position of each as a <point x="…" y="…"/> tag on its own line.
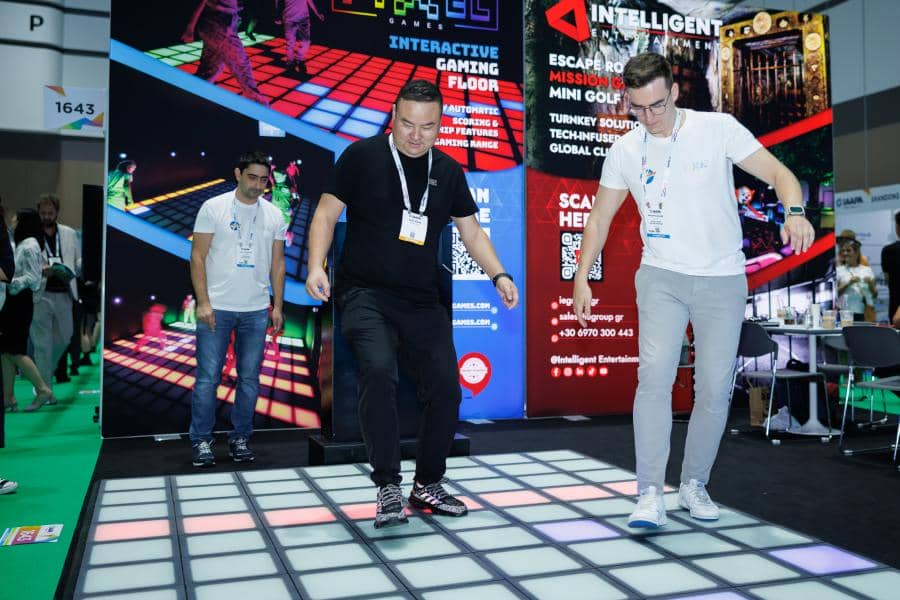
<point x="202" y="454"/>
<point x="238" y="450"/>
<point x="389" y="507"/>
<point x="434" y="497"/>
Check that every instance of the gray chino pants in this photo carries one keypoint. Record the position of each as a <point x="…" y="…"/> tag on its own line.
<point x="666" y="302"/>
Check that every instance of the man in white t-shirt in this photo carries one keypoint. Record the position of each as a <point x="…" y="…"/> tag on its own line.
<point x="238" y="251"/>
<point x="678" y="168"/>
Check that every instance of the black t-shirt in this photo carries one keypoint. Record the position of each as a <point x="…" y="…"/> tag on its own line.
<point x="890" y="264"/>
<point x="366" y="180"/>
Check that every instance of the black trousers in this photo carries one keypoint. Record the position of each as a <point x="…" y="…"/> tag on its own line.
<point x="379" y="327"/>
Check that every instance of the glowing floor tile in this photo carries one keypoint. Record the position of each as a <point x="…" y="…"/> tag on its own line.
<point x="235" y="566"/>
<point x="727" y="518"/>
<point x="542" y="512"/>
<point x="277" y="487"/>
<point x="442" y="571"/>
<point x="332" y="471"/>
<point x="204" y="479"/>
<point x="580" y="586"/>
<point x="334" y="556"/>
<point x="463" y="473"/>
<point x="143" y="575"/>
<point x="299" y="516"/>
<point x="354" y="496"/>
<point x="460" y="461"/>
<point x="615" y="552"/>
<point x="495" y="484"/>
<point x="473" y="520"/>
<point x="208" y="491"/>
<point x="208" y="507"/>
<point x="167" y="594"/>
<point x="532" y="561"/>
<point x="503" y="459"/>
<point x="692" y="544"/>
<point x="363" y="510"/>
<point x="604" y="475"/>
<point x="743" y="569"/>
<point x="490" y="591"/>
<point x="576" y="531"/>
<point x="288" y="501"/>
<point x="606" y="507"/>
<point x="269" y="475"/>
<point x="628" y="488"/>
<point x="823" y="560"/>
<point x="803" y="589"/>
<point x="416" y="546"/>
<point x="342" y="483"/>
<point x="220" y="543"/>
<point x="882" y="585"/>
<point x="500" y="537"/>
<point x="577" y="492"/>
<point x="553" y="479"/>
<point x="765" y="536"/>
<point x="672" y="526"/>
<point x="584" y="464"/>
<point x="712" y="596"/>
<point x="522" y="498"/>
<point x="555" y="455"/>
<point x="671" y="502"/>
<point x="308" y="535"/>
<point x="215" y="523"/>
<point x="271" y="588"/>
<point x="133" y="512"/>
<point x="662" y="578"/>
<point x="123" y="552"/>
<point x="414" y="526"/>
<point x="135" y="483"/>
<point x="348" y="583"/>
<point x="153" y="495"/>
<point x="132" y="530"/>
<point x="526" y="469"/>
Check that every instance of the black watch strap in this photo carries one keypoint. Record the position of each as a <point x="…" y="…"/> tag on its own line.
<point x="497" y="277"/>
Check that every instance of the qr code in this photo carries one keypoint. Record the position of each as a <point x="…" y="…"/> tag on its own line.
<point x="569" y="250"/>
<point x="464" y="266"/>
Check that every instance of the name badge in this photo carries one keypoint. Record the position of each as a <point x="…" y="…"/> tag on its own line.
<point x="54" y="260"/>
<point x="246" y="258"/>
<point x="655" y="222"/>
<point x="414" y="228"/>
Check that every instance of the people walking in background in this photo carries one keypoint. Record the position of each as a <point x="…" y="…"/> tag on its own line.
<point x="297" y="33"/>
<point x="118" y="185"/>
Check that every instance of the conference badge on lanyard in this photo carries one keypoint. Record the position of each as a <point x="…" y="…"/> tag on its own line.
<point x="414" y="225"/>
<point x="246" y="257"/>
<point x="654" y="217"/>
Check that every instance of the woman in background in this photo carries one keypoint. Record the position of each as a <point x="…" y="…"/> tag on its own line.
<point x="855" y="281"/>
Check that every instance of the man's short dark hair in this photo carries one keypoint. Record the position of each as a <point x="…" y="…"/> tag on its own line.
<point x="48" y="198"/>
<point x="253" y="158"/>
<point x="644" y="68"/>
<point x="420" y="90"/>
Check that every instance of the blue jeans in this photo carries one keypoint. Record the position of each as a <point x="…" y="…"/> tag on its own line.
<point x="249" y="343"/>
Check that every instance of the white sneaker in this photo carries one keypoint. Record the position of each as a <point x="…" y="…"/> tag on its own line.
<point x="650" y="511"/>
<point x="693" y="497"/>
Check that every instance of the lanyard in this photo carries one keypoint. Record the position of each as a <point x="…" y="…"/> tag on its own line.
<point x="403" y="185"/>
<point x="58" y="244"/>
<point x="236" y="225"/>
<point x="664" y="183"/>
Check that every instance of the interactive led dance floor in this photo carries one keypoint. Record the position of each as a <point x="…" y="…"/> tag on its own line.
<point x="157" y="376"/>
<point x="545" y="525"/>
<point x="176" y="212"/>
<point x="351" y="94"/>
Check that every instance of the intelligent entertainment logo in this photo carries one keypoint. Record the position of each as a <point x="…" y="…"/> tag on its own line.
<point x="578" y="29"/>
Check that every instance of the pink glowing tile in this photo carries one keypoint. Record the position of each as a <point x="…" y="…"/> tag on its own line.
<point x="577" y="492"/>
<point x="133" y="530"/>
<point x="470" y="503"/>
<point x="299" y="516"/>
<point x="214" y="523"/>
<point x="629" y="488"/>
<point x="363" y="510"/>
<point x="519" y="498"/>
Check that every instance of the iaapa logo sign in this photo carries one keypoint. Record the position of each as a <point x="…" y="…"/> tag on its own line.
<point x="463" y="14"/>
<point x="852" y="200"/>
<point x="570" y="18"/>
<point x="474" y="372"/>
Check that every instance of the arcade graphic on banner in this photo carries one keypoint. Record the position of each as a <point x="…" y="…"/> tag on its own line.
<point x="767" y="68"/>
<point x="195" y="84"/>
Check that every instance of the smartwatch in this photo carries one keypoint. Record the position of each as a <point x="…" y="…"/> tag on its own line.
<point x="794" y="211"/>
<point x="497" y="277"/>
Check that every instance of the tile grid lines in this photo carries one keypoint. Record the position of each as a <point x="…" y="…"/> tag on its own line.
<point x="453" y="534"/>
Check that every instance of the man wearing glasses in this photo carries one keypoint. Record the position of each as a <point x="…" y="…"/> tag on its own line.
<point x="678" y="168"/>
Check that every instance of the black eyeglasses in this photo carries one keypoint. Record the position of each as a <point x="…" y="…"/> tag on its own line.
<point x="655" y="109"/>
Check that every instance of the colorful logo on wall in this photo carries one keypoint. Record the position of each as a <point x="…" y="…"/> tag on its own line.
<point x="474" y="372"/>
<point x="578" y="29"/>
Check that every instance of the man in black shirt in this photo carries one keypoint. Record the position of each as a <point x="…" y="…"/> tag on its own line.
<point x="890" y="266"/>
<point x="387" y="288"/>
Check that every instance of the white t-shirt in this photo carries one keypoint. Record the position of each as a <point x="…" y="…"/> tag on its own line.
<point x="233" y="288"/>
<point x="856" y="295"/>
<point x="699" y="214"/>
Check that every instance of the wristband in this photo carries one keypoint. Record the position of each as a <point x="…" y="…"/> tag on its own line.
<point x="497" y="277"/>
